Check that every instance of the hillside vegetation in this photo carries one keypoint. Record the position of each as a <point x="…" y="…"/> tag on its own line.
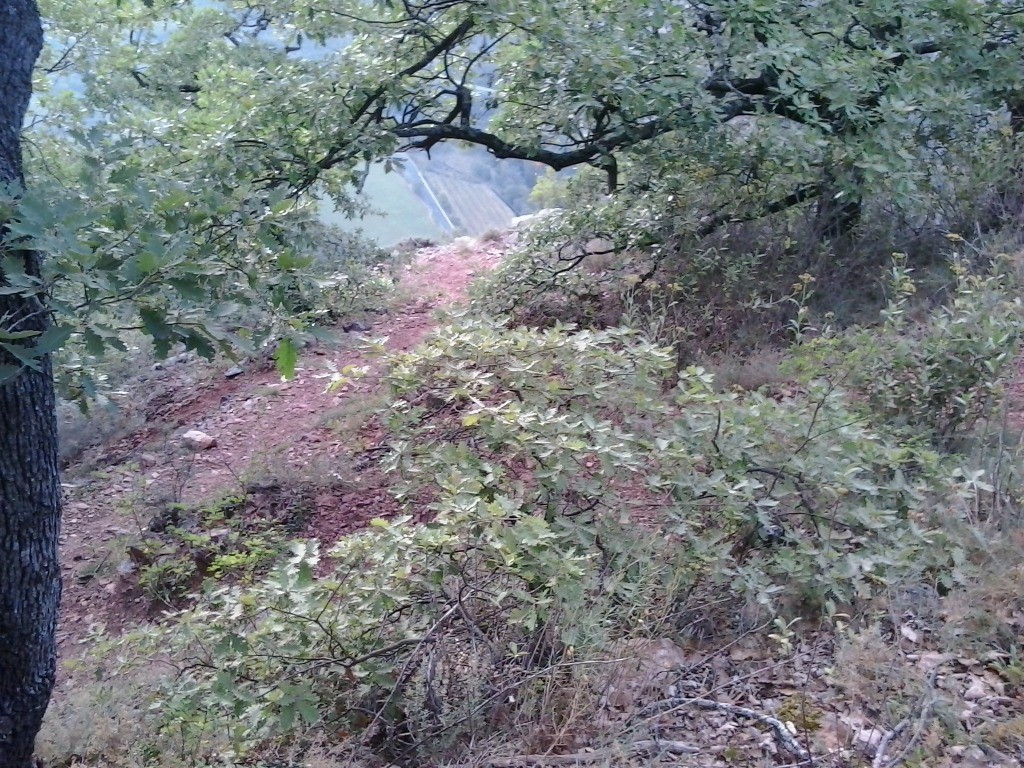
<point x="714" y="461"/>
<point x="596" y="550"/>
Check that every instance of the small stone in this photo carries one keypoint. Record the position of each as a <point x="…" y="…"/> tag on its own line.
<point x="198" y="441"/>
<point x="977" y="690"/>
<point x="234" y="372"/>
<point x="975" y="754"/>
<point x="220" y="535"/>
<point x="868" y="739"/>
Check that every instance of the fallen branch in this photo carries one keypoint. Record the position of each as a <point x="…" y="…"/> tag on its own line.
<point x="923" y="715"/>
<point x="645" y="748"/>
<point x="886" y="742"/>
<point x="779" y="730"/>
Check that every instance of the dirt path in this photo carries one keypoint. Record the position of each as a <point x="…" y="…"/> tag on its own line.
<point x="262" y="426"/>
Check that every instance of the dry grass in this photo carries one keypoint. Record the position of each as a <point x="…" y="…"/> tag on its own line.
<point x="749" y="372"/>
<point x="989" y="613"/>
<point x="354" y="413"/>
<point x="82" y="431"/>
<point x="98" y="717"/>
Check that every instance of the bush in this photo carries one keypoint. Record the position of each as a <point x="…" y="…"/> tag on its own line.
<point x="939" y="375"/>
<point x="578" y="496"/>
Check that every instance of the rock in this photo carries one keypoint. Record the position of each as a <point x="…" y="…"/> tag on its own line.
<point x="356" y="327"/>
<point x="148" y="460"/>
<point x="411" y="245"/>
<point x="234" y="372"/>
<point x="977" y="690"/>
<point x="931" y="659"/>
<point x="868" y="739"/>
<point x="198" y="441"/>
<point x="220" y="535"/>
<point x="522" y="222"/>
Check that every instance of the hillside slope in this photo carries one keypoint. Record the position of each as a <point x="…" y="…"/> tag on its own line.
<point x="265" y="430"/>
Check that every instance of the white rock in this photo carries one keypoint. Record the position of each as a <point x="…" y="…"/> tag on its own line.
<point x="521" y="222"/>
<point x="868" y="739"/>
<point x="198" y="441"/>
<point x="977" y="690"/>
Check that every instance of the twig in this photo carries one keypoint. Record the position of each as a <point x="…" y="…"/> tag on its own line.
<point x="778" y="728"/>
<point x="647" y="747"/>
<point x="406" y="672"/>
<point x="887" y="740"/>
<point x="922" y="717"/>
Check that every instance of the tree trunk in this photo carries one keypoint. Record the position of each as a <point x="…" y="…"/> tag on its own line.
<point x="839" y="211"/>
<point x="29" y="480"/>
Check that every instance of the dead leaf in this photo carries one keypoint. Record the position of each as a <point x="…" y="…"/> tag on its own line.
<point x="909" y="633"/>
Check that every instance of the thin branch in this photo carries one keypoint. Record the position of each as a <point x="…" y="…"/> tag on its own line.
<point x="781" y="733"/>
<point x="645" y="748"/>
<point x="921" y="717"/>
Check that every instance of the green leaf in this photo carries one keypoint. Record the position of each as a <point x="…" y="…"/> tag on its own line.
<point x="307" y="710"/>
<point x="9" y="372"/>
<point x="200" y="344"/>
<point x="155" y="322"/>
<point x="286" y="356"/>
<point x="27" y="355"/>
<point x="16" y="335"/>
<point x="52" y="339"/>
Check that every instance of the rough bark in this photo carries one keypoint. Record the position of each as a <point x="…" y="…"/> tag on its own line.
<point x="29" y="480"/>
<point x="838" y="215"/>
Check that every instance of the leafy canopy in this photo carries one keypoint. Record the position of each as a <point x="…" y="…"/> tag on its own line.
<point x="177" y="147"/>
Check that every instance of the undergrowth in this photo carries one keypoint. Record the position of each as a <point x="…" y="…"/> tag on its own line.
<point x="588" y="493"/>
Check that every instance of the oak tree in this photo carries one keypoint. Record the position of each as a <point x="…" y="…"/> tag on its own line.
<point x="29" y="484"/>
<point x="177" y="151"/>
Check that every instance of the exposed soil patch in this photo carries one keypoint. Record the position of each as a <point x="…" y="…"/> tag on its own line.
<point x="271" y="440"/>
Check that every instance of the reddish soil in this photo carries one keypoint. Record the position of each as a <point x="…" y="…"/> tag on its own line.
<point x="269" y="434"/>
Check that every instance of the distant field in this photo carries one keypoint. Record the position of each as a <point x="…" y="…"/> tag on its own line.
<point x="404" y="214"/>
<point x="473" y="206"/>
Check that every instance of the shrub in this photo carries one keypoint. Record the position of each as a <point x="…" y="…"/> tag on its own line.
<point x="578" y="424"/>
<point x="578" y="496"/>
<point x="939" y="375"/>
<point x="234" y="536"/>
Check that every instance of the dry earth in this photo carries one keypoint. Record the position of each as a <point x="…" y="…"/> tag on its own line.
<point x="263" y="427"/>
<point x="729" y="705"/>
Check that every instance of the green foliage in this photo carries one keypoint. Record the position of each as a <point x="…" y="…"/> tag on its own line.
<point x="224" y="124"/>
<point x="350" y="277"/>
<point x="569" y="424"/>
<point x="577" y="495"/>
<point x="168" y="580"/>
<point x="351" y="650"/>
<point x="576" y="488"/>
<point x="193" y="546"/>
<point x="937" y="376"/>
